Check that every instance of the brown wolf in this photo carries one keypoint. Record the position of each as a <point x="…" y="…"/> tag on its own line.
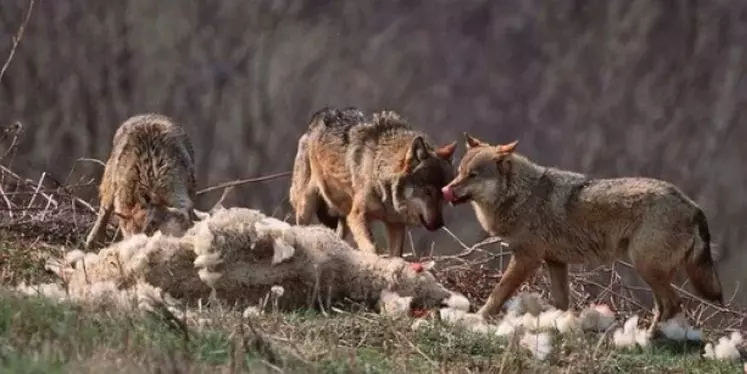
<point x="349" y="167"/>
<point x="149" y="179"/>
<point x="562" y="218"/>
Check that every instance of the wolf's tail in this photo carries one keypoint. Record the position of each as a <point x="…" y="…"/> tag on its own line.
<point x="699" y="262"/>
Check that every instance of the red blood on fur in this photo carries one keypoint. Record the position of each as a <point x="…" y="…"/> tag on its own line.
<point x="419" y="313"/>
<point x="418" y="267"/>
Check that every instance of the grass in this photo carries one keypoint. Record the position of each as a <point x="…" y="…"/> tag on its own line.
<point x="40" y="336"/>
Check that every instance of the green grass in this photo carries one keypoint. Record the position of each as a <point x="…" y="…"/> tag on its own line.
<point x="39" y="336"/>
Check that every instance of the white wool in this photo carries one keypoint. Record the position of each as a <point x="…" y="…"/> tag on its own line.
<point x="472" y="321"/>
<point x="450" y="315"/>
<point x="282" y="251"/>
<point x="210" y="278"/>
<point x="271" y="223"/>
<point x="539" y="344"/>
<point x="509" y="325"/>
<point x="251" y="311"/>
<point x="209" y="259"/>
<point x="201" y="215"/>
<point x="133" y="246"/>
<point x="392" y="304"/>
<point x="527" y="303"/>
<point x="567" y="322"/>
<point x="597" y="317"/>
<point x="278" y="291"/>
<point x="458" y="302"/>
<point x="74" y="256"/>
<point x="50" y="290"/>
<point x="105" y="294"/>
<point x="630" y="334"/>
<point x="726" y="349"/>
<point x="419" y="324"/>
<point x="677" y="328"/>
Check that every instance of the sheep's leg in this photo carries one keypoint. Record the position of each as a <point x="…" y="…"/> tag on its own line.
<point x="518" y="270"/>
<point x="395" y="238"/>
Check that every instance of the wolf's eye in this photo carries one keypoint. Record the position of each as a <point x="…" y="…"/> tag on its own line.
<point x="472" y="174"/>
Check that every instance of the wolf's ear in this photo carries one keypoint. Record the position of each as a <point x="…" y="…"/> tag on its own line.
<point x="472" y="142"/>
<point x="418" y="153"/>
<point x="507" y="148"/>
<point x="447" y="151"/>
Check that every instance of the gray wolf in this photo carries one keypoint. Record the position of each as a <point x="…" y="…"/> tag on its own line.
<point x="560" y="217"/>
<point x="354" y="170"/>
<point x="149" y="179"/>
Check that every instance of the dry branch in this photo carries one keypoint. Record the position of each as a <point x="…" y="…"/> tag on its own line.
<point x="17" y="39"/>
<point x="244" y="181"/>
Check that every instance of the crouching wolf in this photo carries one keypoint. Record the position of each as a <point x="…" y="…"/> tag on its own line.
<point x="361" y="170"/>
<point x="149" y="179"/>
<point x="562" y="218"/>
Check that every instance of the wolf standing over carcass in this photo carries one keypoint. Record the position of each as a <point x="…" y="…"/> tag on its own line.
<point x="149" y="179"/>
<point x="562" y="218"/>
<point x="362" y="170"/>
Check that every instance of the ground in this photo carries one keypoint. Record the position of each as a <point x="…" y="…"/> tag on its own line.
<point x="40" y="336"/>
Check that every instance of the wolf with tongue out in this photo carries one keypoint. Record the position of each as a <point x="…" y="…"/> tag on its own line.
<point x="559" y="217"/>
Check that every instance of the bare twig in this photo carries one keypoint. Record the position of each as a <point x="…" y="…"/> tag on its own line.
<point x="92" y="160"/>
<point x="36" y="193"/>
<point x="17" y="39"/>
<point x="15" y="129"/>
<point x="222" y="198"/>
<point x="244" y="181"/>
<point x="7" y="202"/>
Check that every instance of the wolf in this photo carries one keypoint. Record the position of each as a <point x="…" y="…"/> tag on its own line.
<point x="561" y="217"/>
<point x="149" y="179"/>
<point x="350" y="170"/>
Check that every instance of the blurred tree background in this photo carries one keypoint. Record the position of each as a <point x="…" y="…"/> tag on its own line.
<point x="612" y="88"/>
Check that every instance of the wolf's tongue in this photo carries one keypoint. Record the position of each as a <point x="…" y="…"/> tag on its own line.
<point x="448" y="193"/>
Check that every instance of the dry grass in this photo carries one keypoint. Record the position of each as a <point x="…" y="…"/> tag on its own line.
<point x="40" y="336"/>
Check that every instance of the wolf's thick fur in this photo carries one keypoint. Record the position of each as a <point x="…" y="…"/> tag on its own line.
<point x="149" y="179"/>
<point x="562" y="218"/>
<point x="363" y="170"/>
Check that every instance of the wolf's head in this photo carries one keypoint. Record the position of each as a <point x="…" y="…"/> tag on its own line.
<point x="484" y="173"/>
<point x="425" y="172"/>
<point x="147" y="218"/>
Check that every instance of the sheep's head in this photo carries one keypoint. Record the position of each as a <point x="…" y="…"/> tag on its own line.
<point x="416" y="280"/>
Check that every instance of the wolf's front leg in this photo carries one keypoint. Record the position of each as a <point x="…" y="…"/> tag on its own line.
<point x="519" y="269"/>
<point x="395" y="238"/>
<point x="358" y="225"/>
<point x="99" y="227"/>
<point x="559" y="286"/>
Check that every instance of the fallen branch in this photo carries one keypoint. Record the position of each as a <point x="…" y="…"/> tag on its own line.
<point x="244" y="181"/>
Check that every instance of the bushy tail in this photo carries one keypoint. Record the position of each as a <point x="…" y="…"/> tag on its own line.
<point x="699" y="263"/>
